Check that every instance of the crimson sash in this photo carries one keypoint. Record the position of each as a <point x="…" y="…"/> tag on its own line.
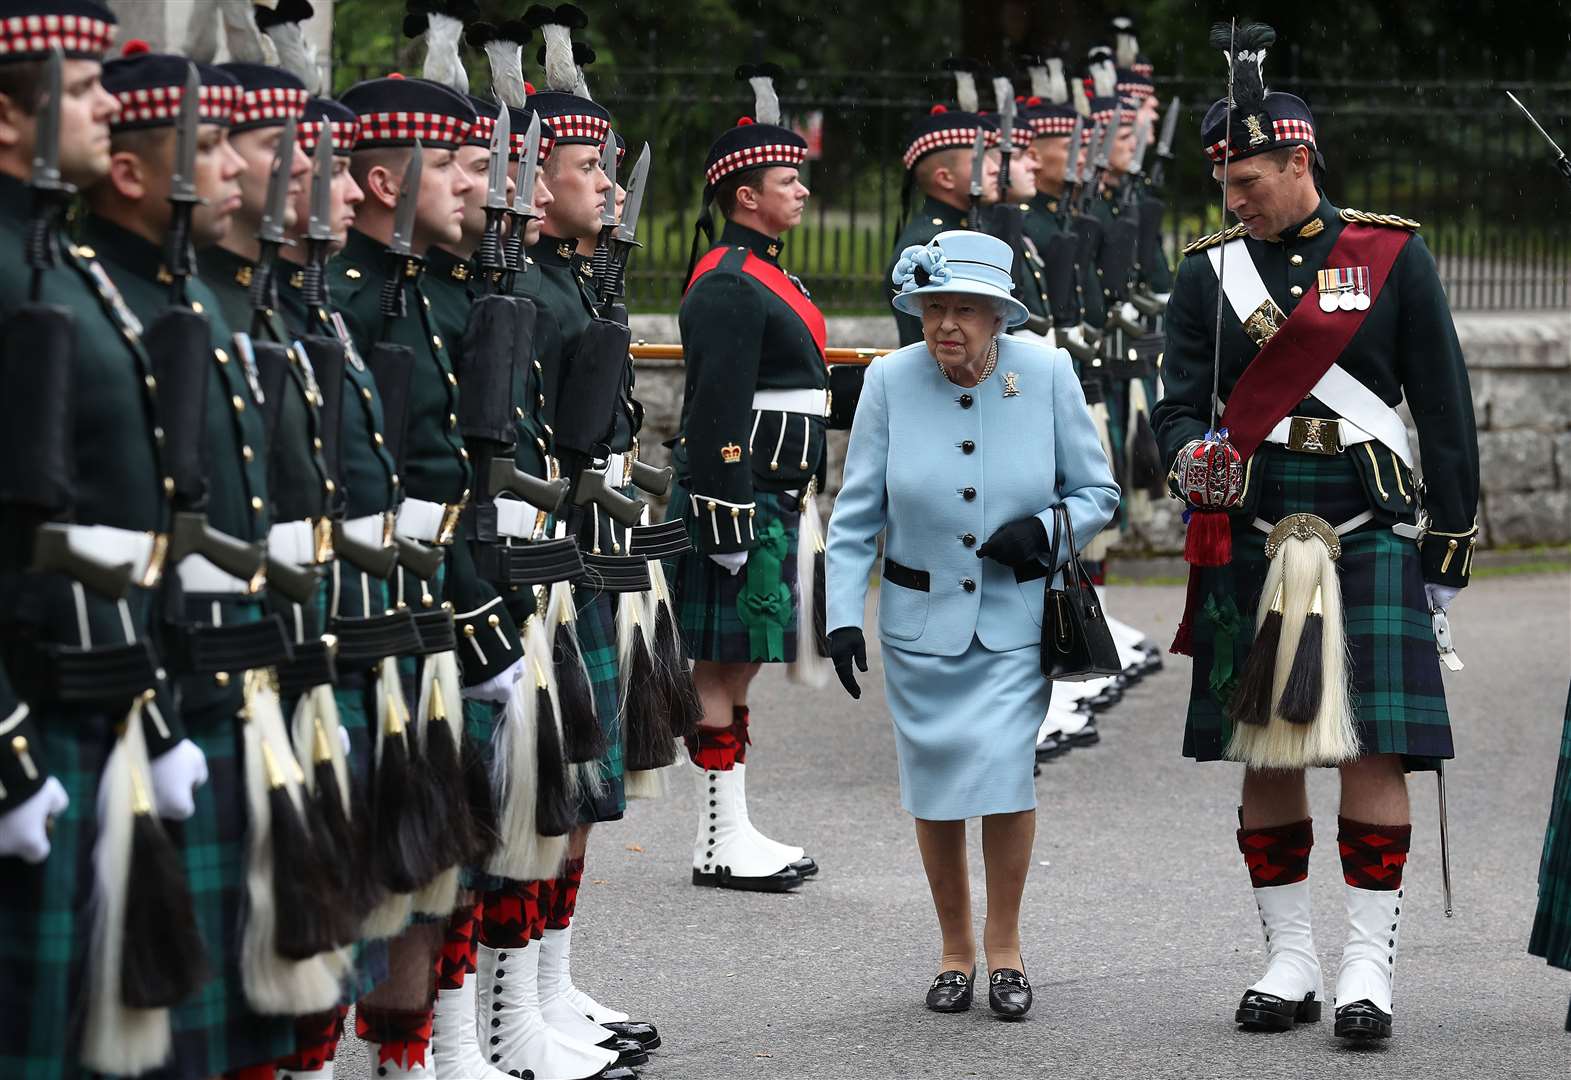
<point x="1308" y="343"/>
<point x="775" y="280"/>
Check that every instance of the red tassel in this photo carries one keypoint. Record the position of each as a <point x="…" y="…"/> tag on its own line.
<point x="1184" y="640"/>
<point x="1209" y="540"/>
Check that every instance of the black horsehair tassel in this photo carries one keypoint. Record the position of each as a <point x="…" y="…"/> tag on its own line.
<point x="301" y="928"/>
<point x="482" y="805"/>
<point x="576" y="697"/>
<point x="554" y="814"/>
<point x="820" y="605"/>
<point x="1305" y="687"/>
<point x="1146" y="471"/>
<point x="1251" y="703"/>
<point x="401" y="843"/>
<point x="682" y="707"/>
<point x="332" y="839"/>
<point x="163" y="960"/>
<point x="445" y="770"/>
<point x="649" y="741"/>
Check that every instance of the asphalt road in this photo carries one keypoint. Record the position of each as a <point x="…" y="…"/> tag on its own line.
<point x="1139" y="929"/>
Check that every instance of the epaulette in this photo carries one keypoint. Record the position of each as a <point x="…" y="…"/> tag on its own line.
<point x="1364" y="217"/>
<point x="1212" y="240"/>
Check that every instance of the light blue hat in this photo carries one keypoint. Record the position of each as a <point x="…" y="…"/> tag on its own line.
<point x="959" y="261"/>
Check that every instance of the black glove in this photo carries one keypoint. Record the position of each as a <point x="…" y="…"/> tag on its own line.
<point x="1016" y="543"/>
<point x="846" y="644"/>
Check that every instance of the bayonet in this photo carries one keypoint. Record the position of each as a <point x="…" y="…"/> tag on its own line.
<point x="270" y="234"/>
<point x="524" y="197"/>
<point x="319" y="226"/>
<point x="179" y="259"/>
<point x="637" y="181"/>
<point x="978" y="160"/>
<point x="401" y="247"/>
<point x="1164" y="146"/>
<point x="608" y="166"/>
<point x="600" y="264"/>
<point x="1006" y="134"/>
<point x="50" y="190"/>
<point x="1562" y="162"/>
<point x="490" y="255"/>
<point x="1142" y="142"/>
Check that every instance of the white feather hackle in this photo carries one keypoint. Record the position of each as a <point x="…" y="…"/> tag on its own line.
<point x="766" y="104"/>
<point x="561" y="73"/>
<point x="1128" y="47"/>
<point x="1082" y="104"/>
<point x="295" y="54"/>
<point x="443" y="33"/>
<point x="1057" y="88"/>
<point x="1104" y="78"/>
<point x="965" y="92"/>
<point x="1039" y="80"/>
<point x="1003" y="91"/>
<point x="507" y="72"/>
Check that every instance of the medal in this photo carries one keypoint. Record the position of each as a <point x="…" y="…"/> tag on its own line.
<point x="1344" y="288"/>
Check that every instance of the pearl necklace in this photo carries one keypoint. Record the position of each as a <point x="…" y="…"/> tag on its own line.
<point x="987" y="368"/>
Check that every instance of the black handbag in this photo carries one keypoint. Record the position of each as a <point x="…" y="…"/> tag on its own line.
<point x="1076" y="641"/>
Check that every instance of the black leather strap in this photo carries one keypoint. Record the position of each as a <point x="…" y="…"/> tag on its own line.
<point x="363" y="642"/>
<point x="112" y="673"/>
<point x="314" y="664"/>
<point x="539" y="562"/>
<point x="616" y="573"/>
<point x="206" y="650"/>
<point x="907" y="578"/>
<point x="437" y="633"/>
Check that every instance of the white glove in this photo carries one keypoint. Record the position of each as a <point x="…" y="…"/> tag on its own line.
<point x="498" y="688"/>
<point x="1439" y="596"/>
<point x="177" y="773"/>
<point x="733" y="561"/>
<point x="24" y="831"/>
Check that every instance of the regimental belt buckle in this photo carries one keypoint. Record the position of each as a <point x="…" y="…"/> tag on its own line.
<point x="157" y="555"/>
<point x="322" y="540"/>
<point x="1312" y="435"/>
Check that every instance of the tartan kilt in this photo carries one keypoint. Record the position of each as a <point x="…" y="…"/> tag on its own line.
<point x="45" y="910"/>
<point x="706" y="596"/>
<point x="1393" y="670"/>
<point x="597" y="641"/>
<point x="1552" y="926"/>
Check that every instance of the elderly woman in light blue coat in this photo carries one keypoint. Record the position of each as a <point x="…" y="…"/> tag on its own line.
<point x="962" y="447"/>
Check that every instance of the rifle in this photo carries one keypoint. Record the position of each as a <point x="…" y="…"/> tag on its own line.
<point x="978" y="160"/>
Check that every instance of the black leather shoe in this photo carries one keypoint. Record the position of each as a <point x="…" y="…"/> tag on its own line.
<point x="1361" y="1021"/>
<point x="1267" y="1012"/>
<point x="1086" y="736"/>
<point x="1054" y="745"/>
<point x="1152" y="662"/>
<point x="1008" y="993"/>
<point x="635" y="1029"/>
<point x="951" y="991"/>
<point x="782" y="880"/>
<point x="805" y="867"/>
<point x="628" y="1051"/>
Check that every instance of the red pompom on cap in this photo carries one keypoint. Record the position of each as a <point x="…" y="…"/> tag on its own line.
<point x="1033" y="101"/>
<point x="395" y="74"/>
<point x="937" y="110"/>
<point x="744" y="121"/>
<point x="135" y="47"/>
<point x="529" y="88"/>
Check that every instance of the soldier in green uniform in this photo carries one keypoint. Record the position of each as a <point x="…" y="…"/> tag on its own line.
<point x="750" y="451"/>
<point x="98" y="479"/>
<point x="220" y="1028"/>
<point x="938" y="160"/>
<point x="1325" y="454"/>
<point x="435" y="477"/>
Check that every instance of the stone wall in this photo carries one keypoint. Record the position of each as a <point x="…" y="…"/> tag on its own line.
<point x="1520" y="369"/>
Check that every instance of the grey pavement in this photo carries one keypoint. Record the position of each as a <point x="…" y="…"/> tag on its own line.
<point x="1139" y="930"/>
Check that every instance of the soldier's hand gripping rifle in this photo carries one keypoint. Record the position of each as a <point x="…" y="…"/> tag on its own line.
<point x="1562" y="162"/>
<point x="179" y="342"/>
<point x="37" y="369"/>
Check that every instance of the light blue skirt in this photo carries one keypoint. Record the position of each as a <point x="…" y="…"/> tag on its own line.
<point x="965" y="729"/>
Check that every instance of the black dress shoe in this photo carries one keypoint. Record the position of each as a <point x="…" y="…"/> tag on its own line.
<point x="1267" y="1012"/>
<point x="805" y="867"/>
<point x="1105" y="700"/>
<point x="1086" y="736"/>
<point x="615" y="1072"/>
<point x="1008" y="993"/>
<point x="628" y="1051"/>
<point x="782" y="880"/>
<point x="951" y="991"/>
<point x="1152" y="663"/>
<point x="634" y="1029"/>
<point x="1361" y="1021"/>
<point x="1054" y="745"/>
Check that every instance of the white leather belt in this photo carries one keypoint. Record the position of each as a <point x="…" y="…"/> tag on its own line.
<point x="114" y="547"/>
<point x="428" y="522"/>
<point x="1349" y="433"/>
<point x="307" y="542"/>
<point x="1357" y="521"/>
<point x="810" y="402"/>
<point x="616" y="471"/>
<point x="516" y="518"/>
<point x="197" y="575"/>
<point x="370" y="531"/>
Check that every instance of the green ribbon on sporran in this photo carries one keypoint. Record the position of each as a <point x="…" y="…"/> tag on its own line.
<point x="1227" y="626"/>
